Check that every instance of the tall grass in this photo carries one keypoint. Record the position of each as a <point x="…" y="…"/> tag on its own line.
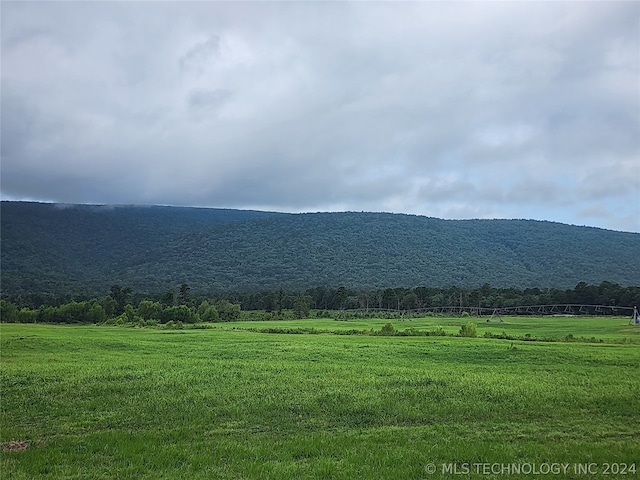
<point x="109" y="402"/>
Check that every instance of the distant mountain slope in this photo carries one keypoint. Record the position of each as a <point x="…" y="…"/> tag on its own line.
<point x="58" y="249"/>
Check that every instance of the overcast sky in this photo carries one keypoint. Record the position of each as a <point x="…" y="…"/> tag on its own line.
<point x="451" y="110"/>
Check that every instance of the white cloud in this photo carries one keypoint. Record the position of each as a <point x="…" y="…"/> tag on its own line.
<point x="516" y="109"/>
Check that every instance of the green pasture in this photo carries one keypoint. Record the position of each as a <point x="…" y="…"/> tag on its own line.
<point x="547" y="327"/>
<point x="100" y="402"/>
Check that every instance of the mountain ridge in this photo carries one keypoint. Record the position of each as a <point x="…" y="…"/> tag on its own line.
<point x="52" y="248"/>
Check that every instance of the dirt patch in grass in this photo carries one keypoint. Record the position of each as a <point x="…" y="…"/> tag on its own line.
<point x="15" y="446"/>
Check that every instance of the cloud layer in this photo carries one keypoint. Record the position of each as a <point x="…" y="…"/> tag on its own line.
<point x="455" y="110"/>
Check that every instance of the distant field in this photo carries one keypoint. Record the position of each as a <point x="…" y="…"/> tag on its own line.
<point x="111" y="402"/>
<point x="552" y="327"/>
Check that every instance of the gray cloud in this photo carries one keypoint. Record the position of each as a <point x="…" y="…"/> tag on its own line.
<point x="498" y="109"/>
<point x="201" y="55"/>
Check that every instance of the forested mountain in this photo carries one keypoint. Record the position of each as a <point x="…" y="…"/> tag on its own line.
<point x="49" y="248"/>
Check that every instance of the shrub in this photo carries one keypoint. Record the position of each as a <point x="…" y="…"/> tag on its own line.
<point x="148" y="309"/>
<point x="130" y="313"/>
<point x="180" y="313"/>
<point x="387" y="329"/>
<point x="97" y="314"/>
<point x="468" y="330"/>
<point x="121" y="320"/>
<point x="27" y="316"/>
<point x="437" y="332"/>
<point x="8" y="312"/>
<point x="209" y="314"/>
<point x="227" y="311"/>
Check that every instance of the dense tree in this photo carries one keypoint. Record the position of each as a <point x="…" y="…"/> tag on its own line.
<point x="8" y="312"/>
<point x="77" y="253"/>
<point x="227" y="311"/>
<point x="121" y="296"/>
<point x="148" y="310"/>
<point x="341" y="296"/>
<point x="280" y="301"/>
<point x="169" y="298"/>
<point x="203" y="307"/>
<point x="178" y="313"/>
<point x="28" y="316"/>
<point x="390" y="299"/>
<point x="219" y="308"/>
<point x="109" y="305"/>
<point x="129" y="312"/>
<point x="302" y="305"/>
<point x="183" y="294"/>
<point x="269" y="302"/>
<point x="410" y="301"/>
<point x="210" y="314"/>
<point x="96" y="314"/>
<point x="422" y="295"/>
<point x="363" y="299"/>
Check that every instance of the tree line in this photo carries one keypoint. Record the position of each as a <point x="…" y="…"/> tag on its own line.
<point x="118" y="308"/>
<point x="123" y="305"/>
<point x="403" y="299"/>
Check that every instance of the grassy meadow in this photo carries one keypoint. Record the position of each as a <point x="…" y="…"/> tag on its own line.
<point x="232" y="402"/>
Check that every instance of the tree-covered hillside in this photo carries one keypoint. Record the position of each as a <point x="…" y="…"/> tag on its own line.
<point x="85" y="249"/>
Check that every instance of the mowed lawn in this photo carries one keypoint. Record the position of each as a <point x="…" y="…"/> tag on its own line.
<point x="110" y="402"/>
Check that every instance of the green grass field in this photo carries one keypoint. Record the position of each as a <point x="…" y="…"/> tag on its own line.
<point x="605" y="329"/>
<point x="111" y="402"/>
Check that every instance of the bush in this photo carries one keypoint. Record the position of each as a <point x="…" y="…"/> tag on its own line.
<point x="119" y="321"/>
<point x="27" y="316"/>
<point x="148" y="309"/>
<point x="468" y="330"/>
<point x="387" y="329"/>
<point x="171" y="325"/>
<point x="97" y="314"/>
<point x="180" y="313"/>
<point x="302" y="306"/>
<point x="437" y="332"/>
<point x="130" y="313"/>
<point x="8" y="312"/>
<point x="228" y="312"/>
<point x="209" y="314"/>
